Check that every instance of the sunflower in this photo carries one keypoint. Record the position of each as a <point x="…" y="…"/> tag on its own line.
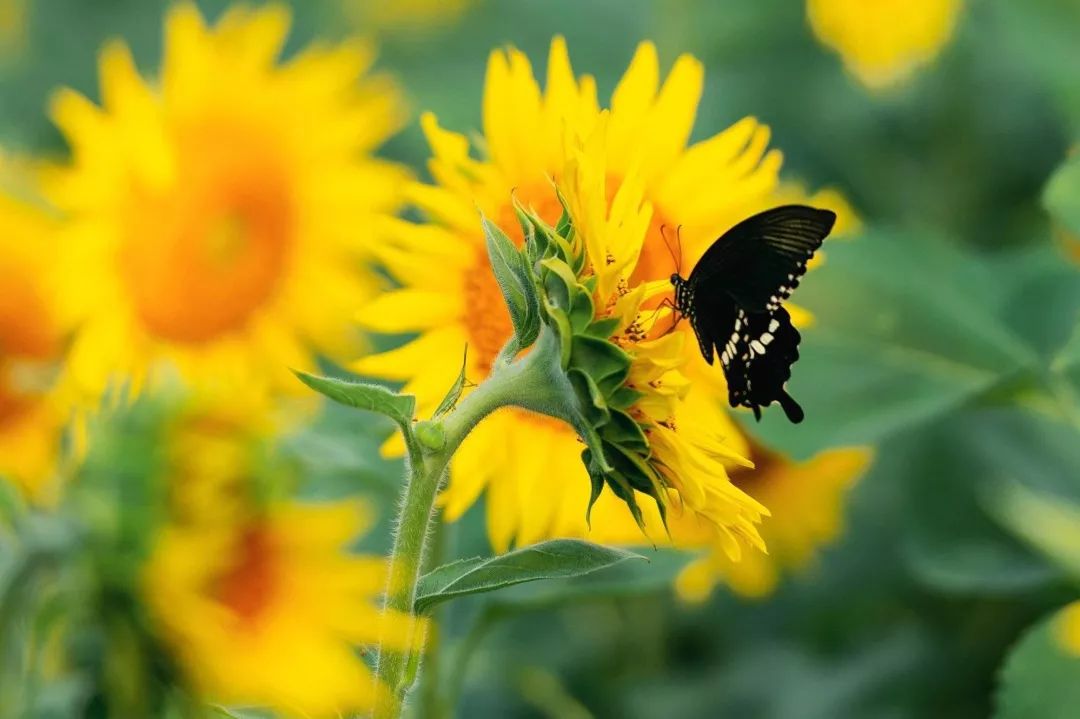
<point x="452" y="299"/>
<point x="529" y="465"/>
<point x="217" y="216"/>
<point x="883" y="42"/>
<point x="268" y="612"/>
<point x="258" y="598"/>
<point x="32" y="344"/>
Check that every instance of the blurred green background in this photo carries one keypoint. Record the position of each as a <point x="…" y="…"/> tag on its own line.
<point x="947" y="336"/>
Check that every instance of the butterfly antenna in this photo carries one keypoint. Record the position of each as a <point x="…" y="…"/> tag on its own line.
<point x="667" y="244"/>
<point x="678" y="247"/>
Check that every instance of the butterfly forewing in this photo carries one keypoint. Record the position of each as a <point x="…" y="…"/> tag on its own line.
<point x="760" y="261"/>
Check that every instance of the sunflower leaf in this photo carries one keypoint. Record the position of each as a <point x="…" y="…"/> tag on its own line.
<point x="1039" y="676"/>
<point x="370" y="397"/>
<point x="557" y="559"/>
<point x="515" y="281"/>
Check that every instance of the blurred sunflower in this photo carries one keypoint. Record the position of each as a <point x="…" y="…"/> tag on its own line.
<point x="218" y="216"/>
<point x="260" y="599"/>
<point x="883" y="42"/>
<point x="32" y="344"/>
<point x="269" y="612"/>
<point x="529" y="465"/>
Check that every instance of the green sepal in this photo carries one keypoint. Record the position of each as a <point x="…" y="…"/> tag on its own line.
<point x="591" y="399"/>
<point x="603" y="329"/>
<point x="624" y="397"/>
<point x="581" y="311"/>
<point x="515" y="281"/>
<point x="597" y="479"/>
<point x="625" y="492"/>
<point x="623" y="430"/>
<point x="608" y="365"/>
<point x="560" y="284"/>
<point x="561" y="323"/>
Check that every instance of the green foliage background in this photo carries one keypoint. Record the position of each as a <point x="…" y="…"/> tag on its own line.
<point x="948" y="335"/>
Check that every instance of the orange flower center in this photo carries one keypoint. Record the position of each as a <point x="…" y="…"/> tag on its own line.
<point x="27" y="335"/>
<point x="203" y="255"/>
<point x="248" y="586"/>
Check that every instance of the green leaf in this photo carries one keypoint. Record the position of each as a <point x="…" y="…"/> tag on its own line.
<point x="456" y="389"/>
<point x="952" y="541"/>
<point x="371" y="397"/>
<point x="1040" y="678"/>
<point x="516" y="284"/>
<point x="560" y="558"/>
<point x="1062" y="195"/>
<point x="1051" y="524"/>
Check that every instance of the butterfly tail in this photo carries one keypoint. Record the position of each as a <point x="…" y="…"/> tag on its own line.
<point x="791" y="408"/>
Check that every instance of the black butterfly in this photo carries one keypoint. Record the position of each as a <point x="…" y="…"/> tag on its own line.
<point x="734" y="299"/>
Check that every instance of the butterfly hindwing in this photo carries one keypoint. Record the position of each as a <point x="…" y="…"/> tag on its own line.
<point x="760" y="261"/>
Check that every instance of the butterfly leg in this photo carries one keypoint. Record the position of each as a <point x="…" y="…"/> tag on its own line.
<point x="665" y="303"/>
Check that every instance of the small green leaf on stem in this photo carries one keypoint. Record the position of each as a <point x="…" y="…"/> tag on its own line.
<point x="558" y="558"/>
<point x="371" y="397"/>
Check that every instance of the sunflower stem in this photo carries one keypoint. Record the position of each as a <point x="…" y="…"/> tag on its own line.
<point x="535" y="382"/>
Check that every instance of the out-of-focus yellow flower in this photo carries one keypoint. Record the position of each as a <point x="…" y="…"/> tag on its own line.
<point x="217" y="216"/>
<point x="270" y="610"/>
<point x="882" y="42"/>
<point x="805" y="502"/>
<point x="406" y="13"/>
<point x="259" y="598"/>
<point x="32" y="344"/>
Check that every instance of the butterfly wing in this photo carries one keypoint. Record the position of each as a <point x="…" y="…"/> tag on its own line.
<point x="761" y="363"/>
<point x="756" y="350"/>
<point x="760" y="261"/>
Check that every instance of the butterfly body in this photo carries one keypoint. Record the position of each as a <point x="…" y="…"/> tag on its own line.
<point x="734" y="300"/>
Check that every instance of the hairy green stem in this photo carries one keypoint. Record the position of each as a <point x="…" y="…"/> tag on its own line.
<point x="535" y="382"/>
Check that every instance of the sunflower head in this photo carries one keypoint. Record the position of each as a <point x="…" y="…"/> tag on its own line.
<point x="619" y="364"/>
<point x="617" y="449"/>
